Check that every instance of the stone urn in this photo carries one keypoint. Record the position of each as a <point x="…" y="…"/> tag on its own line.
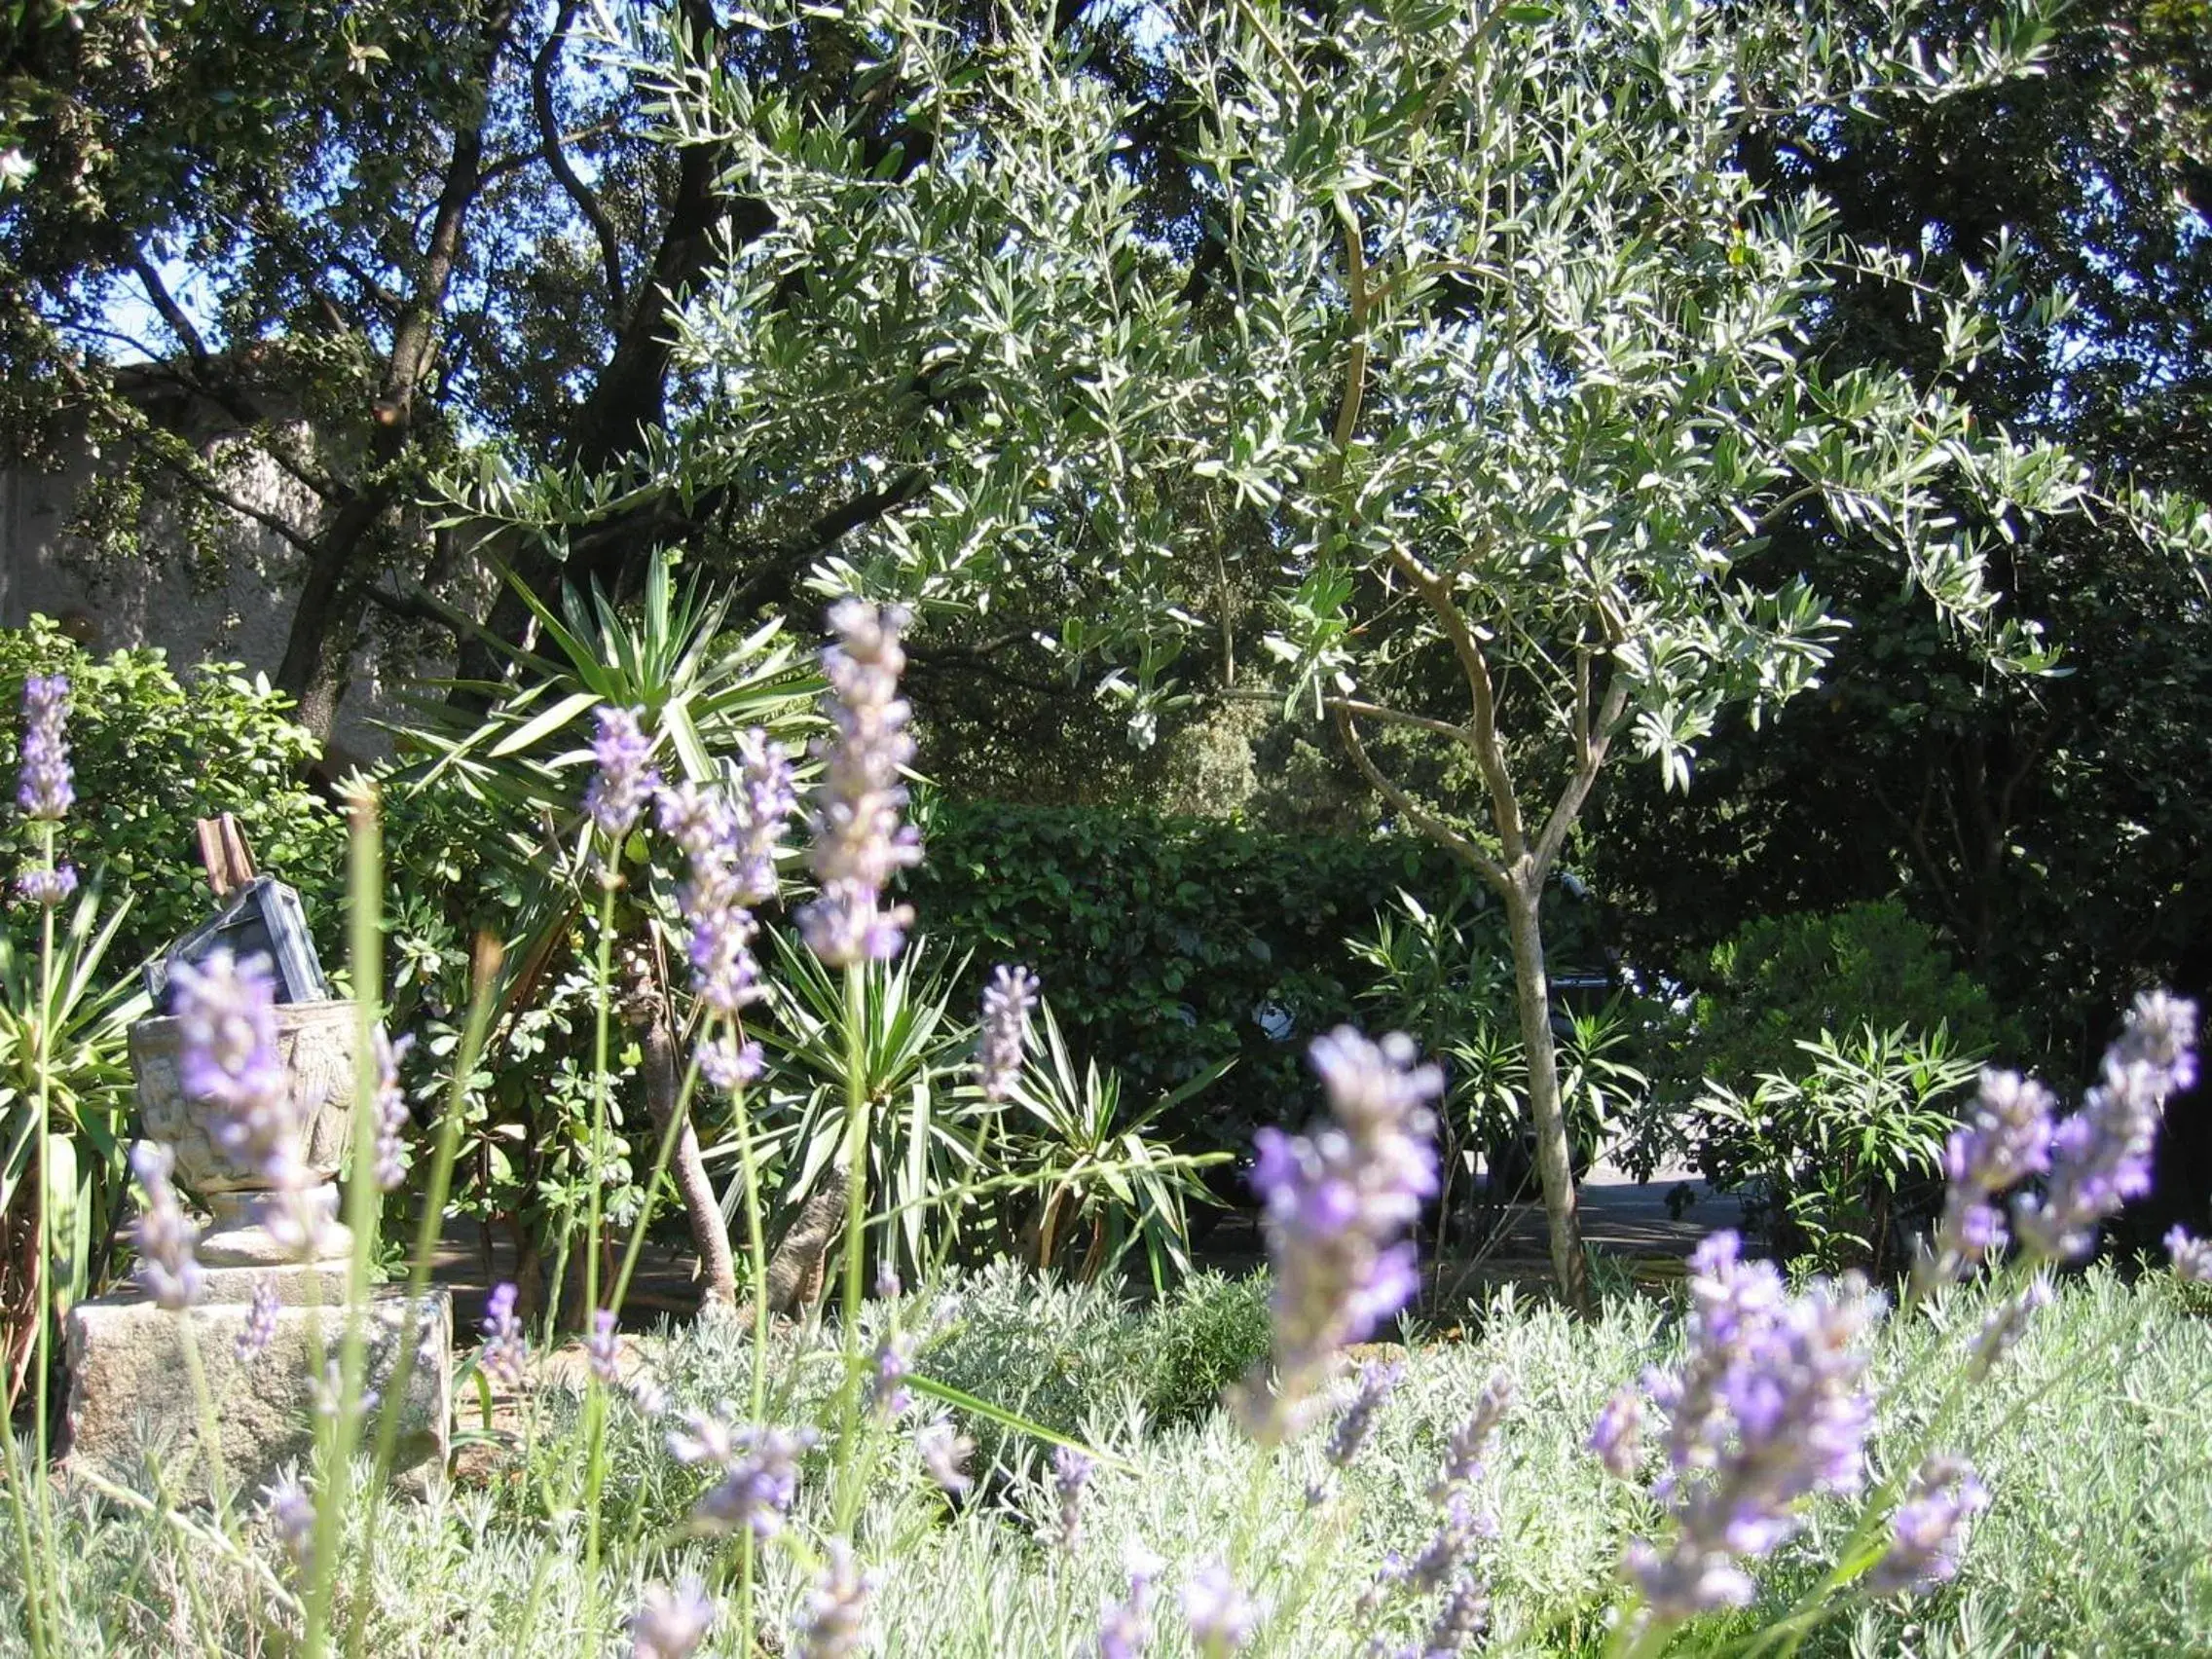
<point x="318" y="1042"/>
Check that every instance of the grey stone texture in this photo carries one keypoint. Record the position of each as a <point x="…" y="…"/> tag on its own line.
<point x="129" y="1390"/>
<point x="315" y="1041"/>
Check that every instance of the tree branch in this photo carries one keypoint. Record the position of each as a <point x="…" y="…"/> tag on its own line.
<point x="1389" y="716"/>
<point x="1355" y="366"/>
<point x="413" y="608"/>
<point x="1416" y="813"/>
<point x="173" y="313"/>
<point x="556" y="160"/>
<point x="832" y="527"/>
<point x="1482" y="730"/>
<point x="198" y="476"/>
<point x="1591" y="743"/>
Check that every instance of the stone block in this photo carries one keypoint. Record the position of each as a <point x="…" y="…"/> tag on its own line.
<point x="130" y="1389"/>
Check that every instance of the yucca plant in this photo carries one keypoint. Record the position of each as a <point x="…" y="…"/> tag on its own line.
<point x="933" y="1130"/>
<point x="89" y="1098"/>
<point x="1104" y="1184"/>
<point x="521" y="747"/>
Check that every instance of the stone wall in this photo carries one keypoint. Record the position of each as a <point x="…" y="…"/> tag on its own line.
<point x="232" y="607"/>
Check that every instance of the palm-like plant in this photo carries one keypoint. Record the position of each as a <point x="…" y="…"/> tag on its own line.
<point x="1104" y="1184"/>
<point x="527" y="752"/>
<point x="931" y="1131"/>
<point x="520" y="749"/>
<point x="88" y="1099"/>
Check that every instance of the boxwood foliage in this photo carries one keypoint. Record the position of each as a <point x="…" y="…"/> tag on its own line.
<point x="1167" y="943"/>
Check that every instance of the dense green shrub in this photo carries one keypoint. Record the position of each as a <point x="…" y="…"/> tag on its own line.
<point x="154" y="750"/>
<point x="1166" y="944"/>
<point x="1780" y="981"/>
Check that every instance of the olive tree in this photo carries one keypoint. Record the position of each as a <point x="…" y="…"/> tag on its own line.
<point x="1466" y="373"/>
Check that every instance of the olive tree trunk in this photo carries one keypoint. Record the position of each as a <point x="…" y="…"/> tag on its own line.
<point x="1555" y="1159"/>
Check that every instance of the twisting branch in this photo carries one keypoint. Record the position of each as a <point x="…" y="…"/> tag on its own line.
<point x="1387" y="717"/>
<point x="1592" y="740"/>
<point x="557" y="159"/>
<point x="1482" y="728"/>
<point x="199" y="475"/>
<point x="1416" y="813"/>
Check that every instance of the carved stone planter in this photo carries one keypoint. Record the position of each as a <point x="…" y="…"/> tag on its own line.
<point x="317" y="1041"/>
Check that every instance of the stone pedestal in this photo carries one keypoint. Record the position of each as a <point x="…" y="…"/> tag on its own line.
<point x="129" y="1390"/>
<point x="316" y="1043"/>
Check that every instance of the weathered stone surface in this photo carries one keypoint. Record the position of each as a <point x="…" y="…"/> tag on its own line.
<point x="322" y="1284"/>
<point x="315" y="1042"/>
<point x="129" y="1390"/>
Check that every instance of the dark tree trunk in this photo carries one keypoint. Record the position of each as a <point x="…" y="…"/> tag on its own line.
<point x="328" y="615"/>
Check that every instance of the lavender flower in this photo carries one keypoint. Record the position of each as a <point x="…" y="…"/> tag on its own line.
<point x="887" y="1392"/>
<point x="260" y="1321"/>
<point x="1925" y="1533"/>
<point x="603" y="1348"/>
<point x="330" y="1393"/>
<point x="47" y="888"/>
<point x="670" y="1624"/>
<point x="504" y="1356"/>
<point x="2192" y="1257"/>
<point x="723" y="973"/>
<point x="623" y="782"/>
<point x="647" y="1396"/>
<point x="291" y="1515"/>
<point x="731" y="1065"/>
<point x="1617" y="1437"/>
<point x="1461" y="1618"/>
<point x="759" y="1471"/>
<point x="945" y="1453"/>
<point x="226" y="1010"/>
<point x="45" y="791"/>
<point x="765" y="801"/>
<point x="167" y="1270"/>
<point x="725" y="976"/>
<point x="1376" y="1382"/>
<point x="1766" y="1410"/>
<point x="2005" y="1325"/>
<point x="1221" y="1616"/>
<point x="2006" y="1138"/>
<point x="705" y="1437"/>
<point x="2100" y="1157"/>
<point x="1124" y="1627"/>
<point x="837" y="1607"/>
<point x="429" y="1333"/>
<point x="1071" y="1474"/>
<point x="1445" y="1551"/>
<point x="1007" y="1002"/>
<point x="859" y="842"/>
<point x="1335" y="1205"/>
<point x="1470" y="1440"/>
<point x="390" y="1111"/>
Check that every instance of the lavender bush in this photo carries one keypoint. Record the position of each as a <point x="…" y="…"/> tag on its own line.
<point x="1784" y="1458"/>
